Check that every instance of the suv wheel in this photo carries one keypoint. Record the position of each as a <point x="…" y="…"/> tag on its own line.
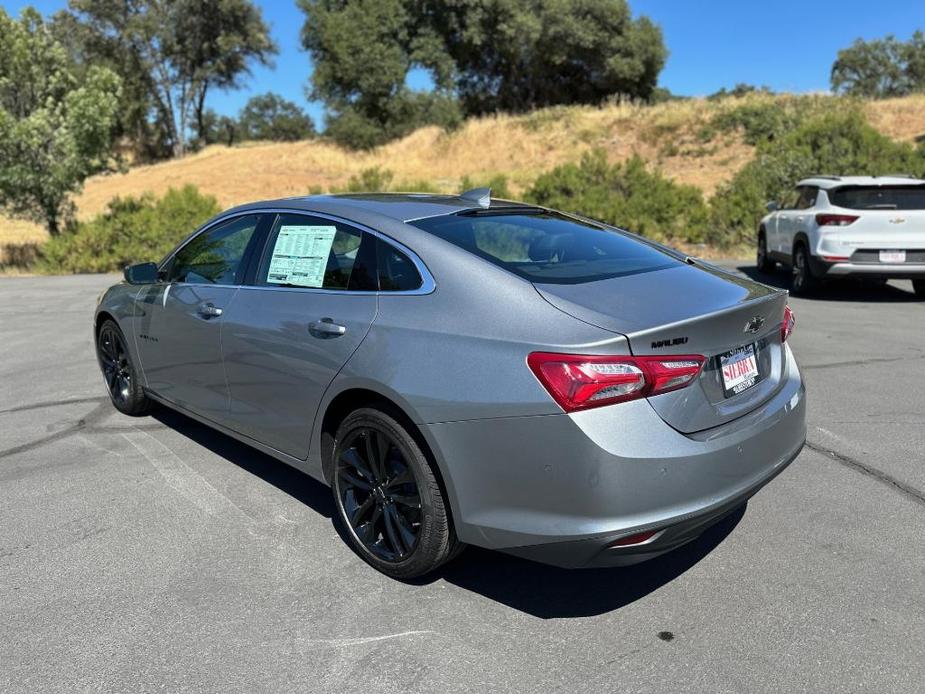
<point x="918" y="286"/>
<point x="388" y="498"/>
<point x="804" y="281"/>
<point x="764" y="263"/>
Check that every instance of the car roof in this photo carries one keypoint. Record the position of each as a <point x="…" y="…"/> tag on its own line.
<point x="827" y="182"/>
<point x="402" y="207"/>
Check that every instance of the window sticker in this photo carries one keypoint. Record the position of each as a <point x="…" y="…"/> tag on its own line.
<point x="300" y="255"/>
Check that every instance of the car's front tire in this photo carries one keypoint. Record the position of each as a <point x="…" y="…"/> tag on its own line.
<point x="762" y="260"/>
<point x="119" y="373"/>
<point x="918" y="286"/>
<point x="804" y="281"/>
<point x="388" y="497"/>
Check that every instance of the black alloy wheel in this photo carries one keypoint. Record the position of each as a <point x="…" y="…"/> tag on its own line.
<point x="379" y="495"/>
<point x="388" y="497"/>
<point x="118" y="371"/>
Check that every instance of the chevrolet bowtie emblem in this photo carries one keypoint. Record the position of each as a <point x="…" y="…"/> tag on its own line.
<point x="754" y="324"/>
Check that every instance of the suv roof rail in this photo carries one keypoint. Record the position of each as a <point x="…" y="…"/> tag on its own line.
<point x="826" y="176"/>
<point x="896" y="175"/>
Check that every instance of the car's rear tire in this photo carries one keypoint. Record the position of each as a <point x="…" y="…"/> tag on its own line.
<point x="918" y="286"/>
<point x="119" y="373"/>
<point x="804" y="281"/>
<point x="762" y="260"/>
<point x="388" y="497"/>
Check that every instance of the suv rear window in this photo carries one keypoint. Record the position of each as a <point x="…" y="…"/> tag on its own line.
<point x="879" y="197"/>
<point x="547" y="247"/>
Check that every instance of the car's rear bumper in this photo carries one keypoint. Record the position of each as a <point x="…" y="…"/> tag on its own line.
<point x="875" y="270"/>
<point x="560" y="488"/>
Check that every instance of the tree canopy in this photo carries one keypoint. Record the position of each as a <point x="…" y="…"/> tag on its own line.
<point x="171" y="53"/>
<point x="881" y="68"/>
<point x="271" y="117"/>
<point x="55" y="128"/>
<point x="491" y="55"/>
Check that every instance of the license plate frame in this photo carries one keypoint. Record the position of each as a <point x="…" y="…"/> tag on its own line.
<point x="890" y="256"/>
<point x="738" y="369"/>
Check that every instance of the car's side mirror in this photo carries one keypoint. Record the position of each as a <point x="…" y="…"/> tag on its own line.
<point x="142" y="273"/>
<point x="773" y="206"/>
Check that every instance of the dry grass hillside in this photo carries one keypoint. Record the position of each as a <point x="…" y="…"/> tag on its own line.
<point x="520" y="147"/>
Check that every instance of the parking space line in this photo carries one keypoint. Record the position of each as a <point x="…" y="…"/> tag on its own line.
<point x="183" y="479"/>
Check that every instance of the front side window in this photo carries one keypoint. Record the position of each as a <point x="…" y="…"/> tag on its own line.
<point x="306" y="251"/>
<point x="547" y="247"/>
<point x="789" y="199"/>
<point x="214" y="256"/>
<point x="807" y="197"/>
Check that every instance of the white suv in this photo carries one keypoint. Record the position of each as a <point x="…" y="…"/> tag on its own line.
<point x="847" y="226"/>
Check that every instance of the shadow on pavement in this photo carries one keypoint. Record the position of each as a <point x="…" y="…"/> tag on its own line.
<point x="549" y="592"/>
<point x="537" y="589"/>
<point x="835" y="290"/>
<point x="284" y="477"/>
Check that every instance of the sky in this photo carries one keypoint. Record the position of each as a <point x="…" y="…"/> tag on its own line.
<point x="787" y="45"/>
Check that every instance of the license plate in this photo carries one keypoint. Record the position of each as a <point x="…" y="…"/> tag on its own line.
<point x="739" y="369"/>
<point x="892" y="256"/>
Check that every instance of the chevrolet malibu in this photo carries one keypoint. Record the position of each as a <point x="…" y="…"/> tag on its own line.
<point x="465" y="370"/>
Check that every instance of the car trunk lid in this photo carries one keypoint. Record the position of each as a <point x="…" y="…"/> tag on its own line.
<point x="693" y="308"/>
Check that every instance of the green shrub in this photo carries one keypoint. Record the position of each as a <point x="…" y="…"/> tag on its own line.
<point x="374" y="180"/>
<point x="836" y="143"/>
<point x="626" y="195"/>
<point x="420" y="186"/>
<point x="131" y="230"/>
<point x="378" y="180"/>
<point x="403" y="114"/>
<point x="763" y="119"/>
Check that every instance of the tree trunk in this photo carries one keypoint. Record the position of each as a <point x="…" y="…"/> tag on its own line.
<point x="53" y="223"/>
<point x="200" y="107"/>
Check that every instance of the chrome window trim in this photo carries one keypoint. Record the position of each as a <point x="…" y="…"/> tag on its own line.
<point x="428" y="284"/>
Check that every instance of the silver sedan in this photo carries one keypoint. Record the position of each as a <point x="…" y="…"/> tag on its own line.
<point x="465" y="370"/>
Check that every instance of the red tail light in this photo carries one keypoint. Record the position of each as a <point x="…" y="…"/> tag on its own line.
<point x="578" y="381"/>
<point x="835" y="220"/>
<point x="786" y="326"/>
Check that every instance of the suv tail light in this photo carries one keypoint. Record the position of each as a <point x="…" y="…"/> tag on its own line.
<point x="786" y="326"/>
<point x="835" y="220"/>
<point x="579" y="381"/>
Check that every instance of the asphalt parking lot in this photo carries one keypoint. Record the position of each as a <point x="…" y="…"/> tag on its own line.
<point x="153" y="554"/>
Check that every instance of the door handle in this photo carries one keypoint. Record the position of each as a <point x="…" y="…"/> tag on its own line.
<point x="209" y="310"/>
<point x="326" y="328"/>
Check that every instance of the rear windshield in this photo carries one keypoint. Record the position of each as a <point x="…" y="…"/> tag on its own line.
<point x="879" y="197"/>
<point x="546" y="247"/>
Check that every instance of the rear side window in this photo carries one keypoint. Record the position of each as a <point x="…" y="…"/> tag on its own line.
<point x="879" y="197"/>
<point x="547" y="247"/>
<point x="396" y="271"/>
<point x="214" y="256"/>
<point x="305" y="251"/>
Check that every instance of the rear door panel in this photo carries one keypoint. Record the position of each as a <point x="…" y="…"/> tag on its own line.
<point x="277" y="368"/>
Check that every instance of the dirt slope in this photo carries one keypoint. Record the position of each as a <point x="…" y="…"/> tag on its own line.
<point x="520" y="147"/>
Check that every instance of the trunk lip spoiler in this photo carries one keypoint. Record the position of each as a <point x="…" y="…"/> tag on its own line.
<point x="755" y="302"/>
